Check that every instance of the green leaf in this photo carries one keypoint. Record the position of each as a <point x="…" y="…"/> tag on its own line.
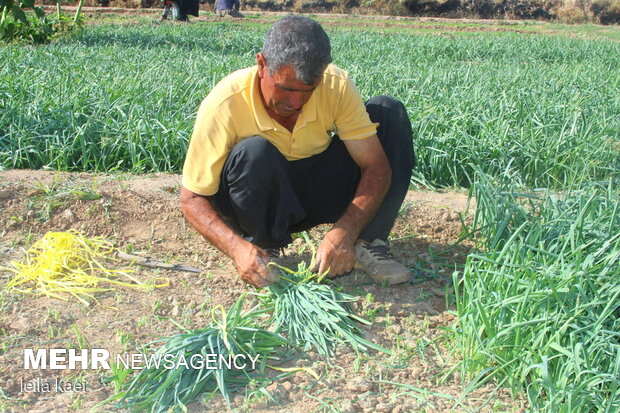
<point x="8" y="31"/>
<point x="6" y="4"/>
<point x="19" y="14"/>
<point x="27" y="4"/>
<point x="39" y="12"/>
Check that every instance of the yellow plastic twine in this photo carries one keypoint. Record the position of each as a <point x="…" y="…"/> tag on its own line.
<point x="64" y="263"/>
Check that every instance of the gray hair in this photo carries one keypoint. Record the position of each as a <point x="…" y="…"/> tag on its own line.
<point x="298" y="42"/>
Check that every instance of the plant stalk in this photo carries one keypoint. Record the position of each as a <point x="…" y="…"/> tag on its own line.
<point x="4" y="14"/>
<point x="78" y="11"/>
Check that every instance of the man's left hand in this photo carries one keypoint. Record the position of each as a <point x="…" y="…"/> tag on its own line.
<point x="336" y="253"/>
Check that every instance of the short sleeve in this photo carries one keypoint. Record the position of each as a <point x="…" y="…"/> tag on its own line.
<point x="212" y="139"/>
<point x="352" y="120"/>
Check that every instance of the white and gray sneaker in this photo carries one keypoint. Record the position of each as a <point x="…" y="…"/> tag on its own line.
<point x="375" y="258"/>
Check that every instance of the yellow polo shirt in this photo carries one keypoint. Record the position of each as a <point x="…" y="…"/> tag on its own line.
<point x="234" y="111"/>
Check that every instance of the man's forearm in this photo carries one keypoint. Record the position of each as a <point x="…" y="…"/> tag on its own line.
<point x="249" y="259"/>
<point x="373" y="186"/>
<point x="201" y="214"/>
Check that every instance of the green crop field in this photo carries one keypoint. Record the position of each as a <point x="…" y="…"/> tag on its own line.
<point x="123" y="97"/>
<point x="539" y="305"/>
<point x="529" y="121"/>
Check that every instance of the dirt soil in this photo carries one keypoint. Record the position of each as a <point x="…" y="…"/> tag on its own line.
<point x="141" y="214"/>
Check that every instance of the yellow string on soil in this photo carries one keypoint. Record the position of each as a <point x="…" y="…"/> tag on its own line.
<point x="68" y="263"/>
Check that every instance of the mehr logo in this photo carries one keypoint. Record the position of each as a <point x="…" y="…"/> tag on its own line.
<point x="62" y="359"/>
<point x="58" y="357"/>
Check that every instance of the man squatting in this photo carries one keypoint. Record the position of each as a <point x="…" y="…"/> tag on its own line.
<point x="287" y="145"/>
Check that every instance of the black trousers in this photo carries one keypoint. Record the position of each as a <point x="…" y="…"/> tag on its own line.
<point x="265" y="197"/>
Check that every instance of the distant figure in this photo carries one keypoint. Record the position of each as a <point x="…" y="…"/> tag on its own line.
<point x="225" y="8"/>
<point x="180" y="9"/>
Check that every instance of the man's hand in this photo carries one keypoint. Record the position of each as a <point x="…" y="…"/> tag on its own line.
<point x="251" y="263"/>
<point x="336" y="253"/>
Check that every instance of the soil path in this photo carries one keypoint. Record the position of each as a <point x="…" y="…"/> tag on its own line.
<point x="141" y="214"/>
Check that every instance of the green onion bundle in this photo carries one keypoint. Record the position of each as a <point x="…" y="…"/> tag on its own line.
<point x="314" y="315"/>
<point x="158" y="389"/>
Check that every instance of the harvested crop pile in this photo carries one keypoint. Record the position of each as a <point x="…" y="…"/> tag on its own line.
<point x="188" y="356"/>
<point x="314" y="315"/>
<point x="63" y="264"/>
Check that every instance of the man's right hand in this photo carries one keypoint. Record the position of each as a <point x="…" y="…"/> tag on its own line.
<point x="251" y="262"/>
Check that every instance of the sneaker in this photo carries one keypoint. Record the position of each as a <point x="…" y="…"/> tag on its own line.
<point x="375" y="258"/>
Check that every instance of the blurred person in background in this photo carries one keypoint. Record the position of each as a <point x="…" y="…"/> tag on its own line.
<point x="180" y="9"/>
<point x="225" y="8"/>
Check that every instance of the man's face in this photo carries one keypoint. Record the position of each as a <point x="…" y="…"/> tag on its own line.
<point x="283" y="94"/>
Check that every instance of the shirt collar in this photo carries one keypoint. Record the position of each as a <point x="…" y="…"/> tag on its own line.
<point x="263" y="120"/>
<point x="308" y="111"/>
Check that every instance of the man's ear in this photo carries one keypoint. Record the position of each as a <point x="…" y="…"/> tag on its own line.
<point x="262" y="63"/>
